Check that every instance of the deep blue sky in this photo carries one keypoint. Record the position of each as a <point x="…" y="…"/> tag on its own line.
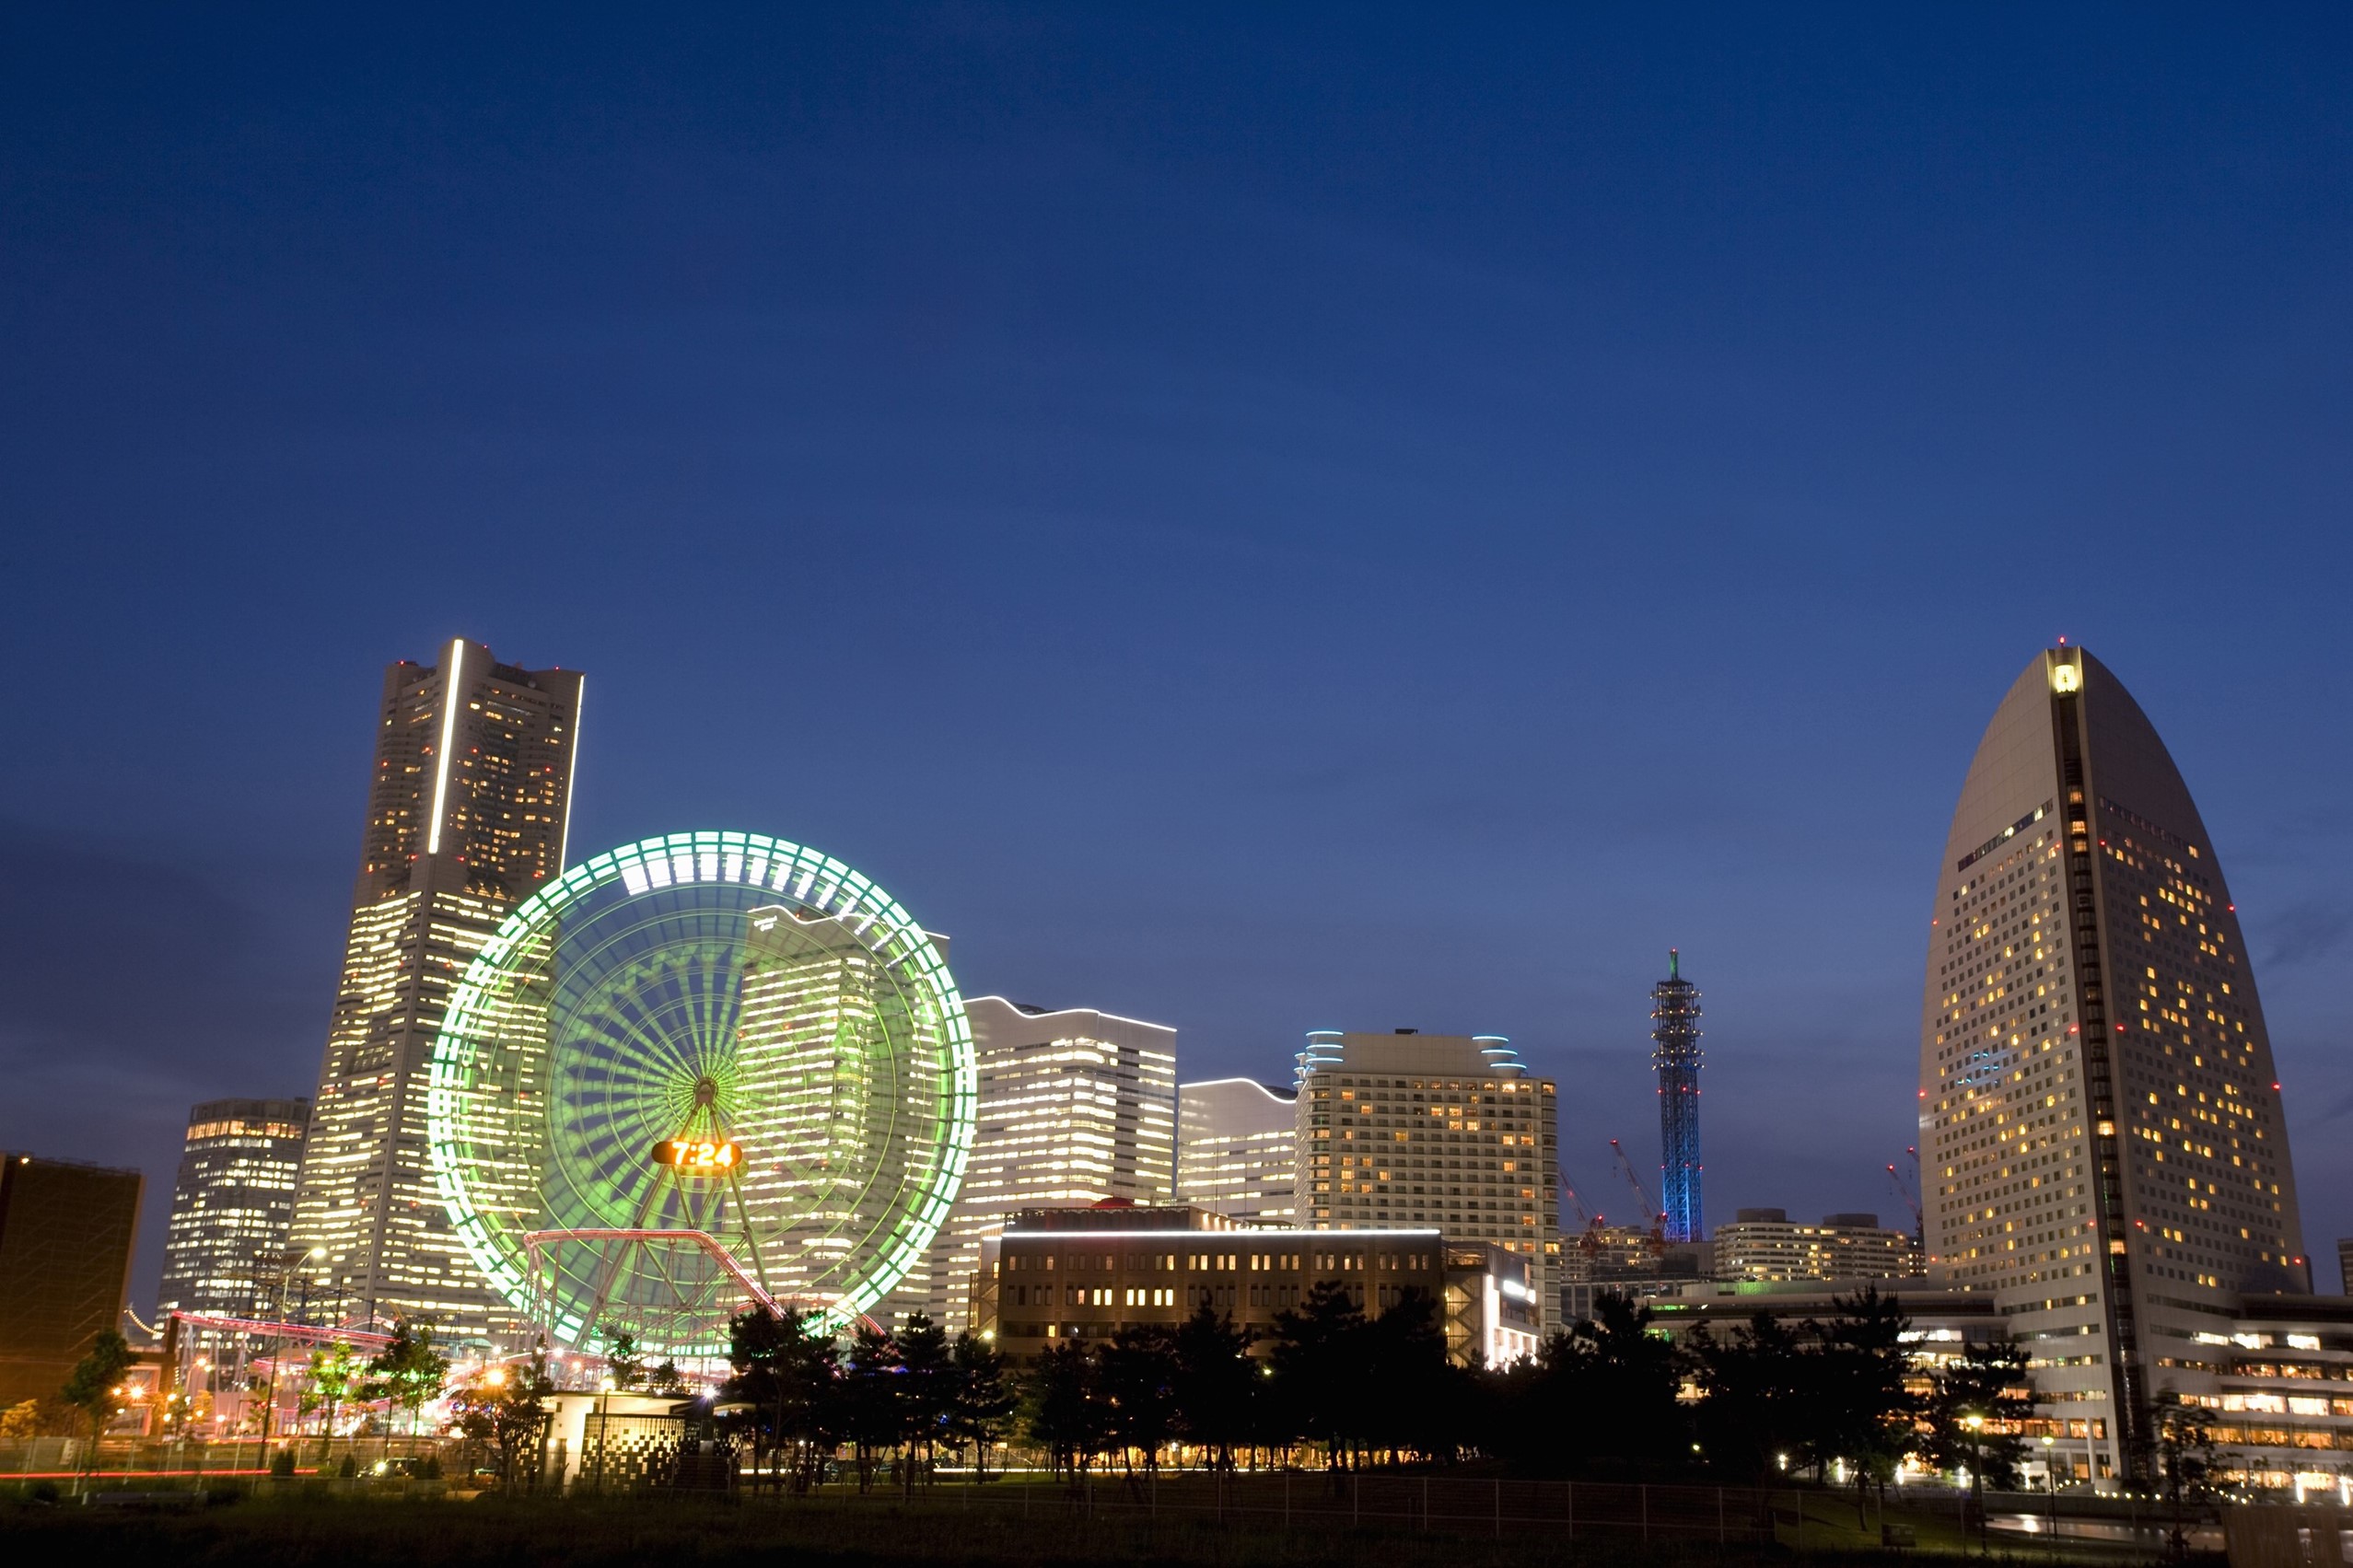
<point x="1259" y="519"/>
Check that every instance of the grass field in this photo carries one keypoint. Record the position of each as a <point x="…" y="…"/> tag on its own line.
<point x="323" y="1531"/>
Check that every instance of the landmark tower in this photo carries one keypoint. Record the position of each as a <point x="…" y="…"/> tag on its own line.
<point x="466" y="810"/>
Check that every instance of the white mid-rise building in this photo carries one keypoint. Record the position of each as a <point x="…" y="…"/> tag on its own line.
<point x="1238" y="1150"/>
<point x="1076" y="1105"/>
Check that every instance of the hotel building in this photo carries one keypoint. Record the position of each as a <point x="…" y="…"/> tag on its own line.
<point x="1450" y="1131"/>
<point x="1076" y="1107"/>
<point x="2101" y="1131"/>
<point x="1237" y="1149"/>
<point x="231" y="1207"/>
<point x="467" y="804"/>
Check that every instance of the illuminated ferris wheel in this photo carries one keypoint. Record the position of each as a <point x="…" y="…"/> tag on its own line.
<point x="702" y="1071"/>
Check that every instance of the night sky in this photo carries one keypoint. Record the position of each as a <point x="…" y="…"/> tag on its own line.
<point x="1262" y="520"/>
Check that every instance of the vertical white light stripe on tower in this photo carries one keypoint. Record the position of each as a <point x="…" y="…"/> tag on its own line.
<point x="448" y="729"/>
<point x="571" y="773"/>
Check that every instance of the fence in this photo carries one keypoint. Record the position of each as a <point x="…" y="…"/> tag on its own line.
<point x="1323" y="1500"/>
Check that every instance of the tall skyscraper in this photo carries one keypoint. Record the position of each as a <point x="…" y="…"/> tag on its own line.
<point x="1238" y="1150"/>
<point x="1674" y="1027"/>
<point x="1075" y="1106"/>
<point x="466" y="813"/>
<point x="66" y="1232"/>
<point x="1408" y="1130"/>
<point x="2100" y="1130"/>
<point x="231" y="1206"/>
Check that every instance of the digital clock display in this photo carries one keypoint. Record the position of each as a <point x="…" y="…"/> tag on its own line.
<point x="698" y="1156"/>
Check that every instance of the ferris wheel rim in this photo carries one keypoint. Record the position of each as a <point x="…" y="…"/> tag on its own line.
<point x="799" y="876"/>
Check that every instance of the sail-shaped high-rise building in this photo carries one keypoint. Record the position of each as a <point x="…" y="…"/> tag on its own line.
<point x="467" y="808"/>
<point x="2101" y="1142"/>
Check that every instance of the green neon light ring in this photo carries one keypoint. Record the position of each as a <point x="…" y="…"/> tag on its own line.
<point x="713" y="987"/>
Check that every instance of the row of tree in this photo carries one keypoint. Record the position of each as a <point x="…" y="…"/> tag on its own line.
<point x="1610" y="1396"/>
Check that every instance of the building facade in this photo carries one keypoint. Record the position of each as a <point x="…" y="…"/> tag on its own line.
<point x="2101" y="1132"/>
<point x="67" y="1235"/>
<point x="1054" y="1275"/>
<point x="1237" y="1149"/>
<point x="1451" y="1132"/>
<point x="232" y="1206"/>
<point x="1765" y="1244"/>
<point x="1076" y="1107"/>
<point x="466" y="816"/>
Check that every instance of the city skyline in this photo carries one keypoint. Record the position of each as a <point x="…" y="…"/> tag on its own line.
<point x="1370" y="527"/>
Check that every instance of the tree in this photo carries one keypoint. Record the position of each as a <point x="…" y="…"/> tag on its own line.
<point x="1752" y="1415"/>
<point x="1065" y="1410"/>
<point x="1862" y="1411"/>
<point x="984" y="1401"/>
<point x="791" y="1380"/>
<point x="925" y="1393"/>
<point x="1216" y="1383"/>
<point x="2188" y="1461"/>
<point x="1319" y="1387"/>
<point x="408" y="1370"/>
<point x="1137" y="1375"/>
<point x="335" y="1373"/>
<point x="666" y="1381"/>
<point x="872" y="1409"/>
<point x="20" y="1421"/>
<point x="1977" y="1412"/>
<point x="622" y="1363"/>
<point x="95" y="1386"/>
<point x="502" y="1409"/>
<point x="1423" y="1396"/>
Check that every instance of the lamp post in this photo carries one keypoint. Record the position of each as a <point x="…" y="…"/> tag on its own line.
<point x="2051" y="1480"/>
<point x="1976" y="1425"/>
<point x="604" y="1398"/>
<point x="285" y="1276"/>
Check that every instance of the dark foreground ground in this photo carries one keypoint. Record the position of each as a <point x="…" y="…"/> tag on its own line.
<point x="362" y="1531"/>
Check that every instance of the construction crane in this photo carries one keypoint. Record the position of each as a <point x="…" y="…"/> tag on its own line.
<point x="1909" y="1192"/>
<point x="1589" y="1235"/>
<point x="1658" y="1216"/>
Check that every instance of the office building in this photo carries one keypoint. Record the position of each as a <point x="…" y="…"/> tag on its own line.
<point x="66" y="1233"/>
<point x="1076" y="1105"/>
<point x="231" y="1207"/>
<point x="467" y="804"/>
<point x="1765" y="1244"/>
<point x="2102" y="1140"/>
<point x="1237" y="1149"/>
<point x="1450" y="1131"/>
<point x="1675" y="1034"/>
<point x="1060" y="1274"/>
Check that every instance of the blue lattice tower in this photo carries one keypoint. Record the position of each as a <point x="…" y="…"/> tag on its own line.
<point x="1675" y="1025"/>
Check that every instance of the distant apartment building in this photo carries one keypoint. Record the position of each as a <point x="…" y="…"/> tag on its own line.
<point x="231" y="1205"/>
<point x="1076" y="1105"/>
<point x="1237" y="1149"/>
<point x="1630" y="1260"/>
<point x="1056" y="1275"/>
<point x="1765" y="1244"/>
<point x="467" y="804"/>
<point x="67" y="1235"/>
<point x="2345" y="1265"/>
<point x="1450" y="1132"/>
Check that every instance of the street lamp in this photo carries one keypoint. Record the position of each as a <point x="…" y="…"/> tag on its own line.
<point x="285" y="1275"/>
<point x="2051" y="1477"/>
<point x="1976" y="1425"/>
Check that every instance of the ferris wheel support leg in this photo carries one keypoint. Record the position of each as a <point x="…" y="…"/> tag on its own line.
<point x="751" y="1241"/>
